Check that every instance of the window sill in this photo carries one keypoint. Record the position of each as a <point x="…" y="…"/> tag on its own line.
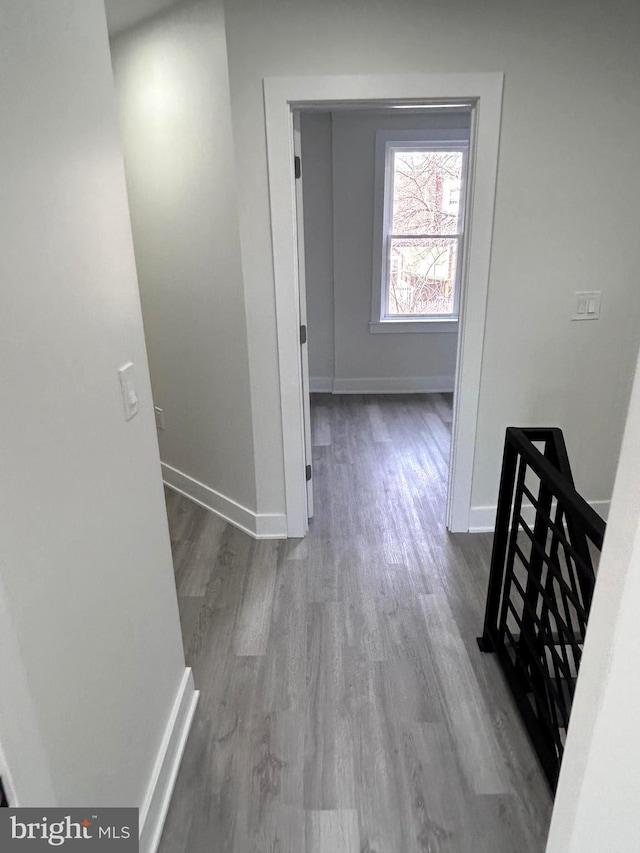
<point x="403" y="326"/>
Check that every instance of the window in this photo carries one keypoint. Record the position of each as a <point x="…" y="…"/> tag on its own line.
<point x="419" y="231"/>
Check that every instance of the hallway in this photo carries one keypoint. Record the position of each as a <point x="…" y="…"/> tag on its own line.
<point x="344" y="703"/>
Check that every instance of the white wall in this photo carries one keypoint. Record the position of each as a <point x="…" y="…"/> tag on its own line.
<point x="339" y="185"/>
<point x="421" y="361"/>
<point x="596" y="806"/>
<point x="85" y="576"/>
<point x="122" y="14"/>
<point x="562" y="223"/>
<point x="173" y="93"/>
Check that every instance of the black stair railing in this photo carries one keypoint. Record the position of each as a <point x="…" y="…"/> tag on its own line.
<point x="541" y="585"/>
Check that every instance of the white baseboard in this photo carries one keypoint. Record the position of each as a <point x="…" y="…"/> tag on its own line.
<point x="270" y="526"/>
<point x="257" y="525"/>
<point x="321" y="384"/>
<point x="384" y="385"/>
<point x="482" y="519"/>
<point x="154" y="809"/>
<point x="602" y="508"/>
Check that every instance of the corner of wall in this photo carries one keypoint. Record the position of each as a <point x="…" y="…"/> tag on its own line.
<point x="154" y="810"/>
<point x="256" y="525"/>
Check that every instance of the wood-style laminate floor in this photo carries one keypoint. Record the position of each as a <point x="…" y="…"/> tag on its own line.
<point x="345" y="707"/>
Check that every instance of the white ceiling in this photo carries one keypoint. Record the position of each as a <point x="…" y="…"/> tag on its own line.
<point x="122" y="14"/>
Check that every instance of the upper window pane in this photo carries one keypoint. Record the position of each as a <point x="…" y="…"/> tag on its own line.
<point x="426" y="192"/>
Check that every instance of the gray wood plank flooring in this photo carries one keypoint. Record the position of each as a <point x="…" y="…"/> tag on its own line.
<point x="345" y="707"/>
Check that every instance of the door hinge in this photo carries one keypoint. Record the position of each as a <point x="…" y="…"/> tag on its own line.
<point x="303" y="334"/>
<point x="308" y="472"/>
<point x="297" y="165"/>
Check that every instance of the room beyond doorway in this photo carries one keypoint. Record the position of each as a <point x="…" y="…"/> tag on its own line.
<point x="381" y="215"/>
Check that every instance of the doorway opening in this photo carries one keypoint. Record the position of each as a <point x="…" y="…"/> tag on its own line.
<point x="482" y="94"/>
<point x="380" y="202"/>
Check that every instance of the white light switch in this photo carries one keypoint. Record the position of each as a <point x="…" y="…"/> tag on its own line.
<point x="587" y="305"/>
<point x="129" y="394"/>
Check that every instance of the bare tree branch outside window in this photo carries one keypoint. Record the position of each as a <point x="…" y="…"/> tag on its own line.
<point x="423" y="244"/>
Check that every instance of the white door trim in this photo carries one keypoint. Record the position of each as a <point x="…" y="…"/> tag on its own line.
<point x="304" y="346"/>
<point x="281" y="96"/>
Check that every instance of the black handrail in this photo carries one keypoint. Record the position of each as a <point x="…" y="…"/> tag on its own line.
<point x="541" y="585"/>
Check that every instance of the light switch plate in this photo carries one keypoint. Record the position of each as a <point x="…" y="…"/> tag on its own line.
<point x="129" y="393"/>
<point x="159" y="417"/>
<point x="587" y="305"/>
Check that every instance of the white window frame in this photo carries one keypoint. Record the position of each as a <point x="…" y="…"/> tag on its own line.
<point x="387" y="143"/>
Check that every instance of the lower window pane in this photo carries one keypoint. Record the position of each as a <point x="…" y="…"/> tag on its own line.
<point x="422" y="276"/>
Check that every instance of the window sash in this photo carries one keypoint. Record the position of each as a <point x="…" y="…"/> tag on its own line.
<point x="387" y="315"/>
<point x="391" y="147"/>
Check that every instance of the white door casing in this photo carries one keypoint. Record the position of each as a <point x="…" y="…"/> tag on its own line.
<point x="302" y="290"/>
<point x="281" y="96"/>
